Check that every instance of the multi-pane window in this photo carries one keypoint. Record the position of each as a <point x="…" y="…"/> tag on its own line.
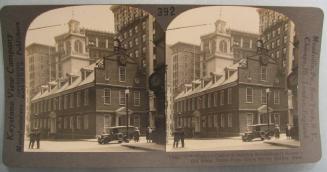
<point x="79" y="120"/>
<point x="137" y="54"/>
<point x="263" y="73"/>
<point x="143" y="38"/>
<point x="222" y="97"/>
<point x="49" y="105"/>
<point x="86" y="97"/>
<point x="66" y="101"/>
<point x="122" y="74"/>
<point x="78" y="99"/>
<point x="60" y="103"/>
<point x="229" y="96"/>
<point x="285" y="39"/>
<point x="222" y="121"/>
<point x="71" y="100"/>
<point x="66" y="122"/>
<point x="86" y="122"/>
<point x="122" y="97"/>
<point x="136" y="41"/>
<point x="249" y="95"/>
<point x="71" y="122"/>
<point x="277" y="54"/>
<point x="59" y="124"/>
<point x="250" y="119"/>
<point x="215" y="119"/>
<point x="276" y="97"/>
<point x="229" y="120"/>
<point x="107" y="96"/>
<point x="137" y="98"/>
<point x="215" y="94"/>
<point x="263" y="97"/>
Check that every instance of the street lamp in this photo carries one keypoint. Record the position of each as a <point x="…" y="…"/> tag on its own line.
<point x="267" y="97"/>
<point x="127" y="115"/>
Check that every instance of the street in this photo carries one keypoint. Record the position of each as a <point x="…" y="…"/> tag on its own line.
<point x="87" y="145"/>
<point x="231" y="143"/>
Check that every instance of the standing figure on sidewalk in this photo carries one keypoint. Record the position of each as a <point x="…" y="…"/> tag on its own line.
<point x="176" y="139"/>
<point x="32" y="140"/>
<point x="277" y="132"/>
<point x="137" y="135"/>
<point x="148" y="135"/>
<point x="37" y="138"/>
<point x="182" y="136"/>
<point x="287" y="131"/>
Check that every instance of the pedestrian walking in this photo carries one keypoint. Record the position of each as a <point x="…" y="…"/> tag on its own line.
<point x="148" y="135"/>
<point x="287" y="130"/>
<point x="277" y="132"/>
<point x="182" y="136"/>
<point x="137" y="135"/>
<point x="176" y="139"/>
<point x="32" y="140"/>
<point x="37" y="138"/>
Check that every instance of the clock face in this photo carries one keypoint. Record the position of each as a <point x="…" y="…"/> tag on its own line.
<point x="155" y="81"/>
<point x="264" y="60"/>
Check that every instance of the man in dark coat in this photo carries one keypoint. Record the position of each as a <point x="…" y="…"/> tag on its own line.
<point x="176" y="139"/>
<point x="37" y="138"/>
<point x="32" y="140"/>
<point x="182" y="136"/>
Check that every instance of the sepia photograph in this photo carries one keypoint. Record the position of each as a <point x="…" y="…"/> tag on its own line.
<point x="231" y="80"/>
<point x="87" y="81"/>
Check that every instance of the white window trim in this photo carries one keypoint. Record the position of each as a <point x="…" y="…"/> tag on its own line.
<point x="265" y="73"/>
<point x="121" y="95"/>
<point x="229" y="120"/>
<point x="119" y="73"/>
<point x="229" y="96"/>
<point x="276" y="97"/>
<point x="263" y="93"/>
<point x="86" y="98"/>
<point x="106" y="96"/>
<point x="246" y="95"/>
<point x="221" y="97"/>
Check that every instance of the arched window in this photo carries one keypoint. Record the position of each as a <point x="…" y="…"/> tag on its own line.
<point x="213" y="46"/>
<point x="68" y="47"/>
<point x="78" y="46"/>
<point x="223" y="46"/>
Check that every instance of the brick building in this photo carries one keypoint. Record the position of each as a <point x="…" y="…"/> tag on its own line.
<point x="87" y="101"/>
<point x="231" y="100"/>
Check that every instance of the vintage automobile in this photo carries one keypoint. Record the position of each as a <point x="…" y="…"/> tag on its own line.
<point x="118" y="133"/>
<point x="262" y="131"/>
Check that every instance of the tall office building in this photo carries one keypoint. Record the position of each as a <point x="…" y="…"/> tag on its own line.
<point x="135" y="28"/>
<point x="185" y="65"/>
<point x="277" y="32"/>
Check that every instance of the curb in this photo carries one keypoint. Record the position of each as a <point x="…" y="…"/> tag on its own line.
<point x="141" y="148"/>
<point x="282" y="144"/>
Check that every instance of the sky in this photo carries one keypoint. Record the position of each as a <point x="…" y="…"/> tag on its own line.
<point x="239" y="18"/>
<point x="88" y="16"/>
<point x="100" y="17"/>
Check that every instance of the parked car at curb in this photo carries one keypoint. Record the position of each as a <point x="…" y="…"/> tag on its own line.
<point x="118" y="133"/>
<point x="262" y="131"/>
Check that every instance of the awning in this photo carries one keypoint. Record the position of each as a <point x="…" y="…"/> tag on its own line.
<point x="263" y="109"/>
<point x="122" y="111"/>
